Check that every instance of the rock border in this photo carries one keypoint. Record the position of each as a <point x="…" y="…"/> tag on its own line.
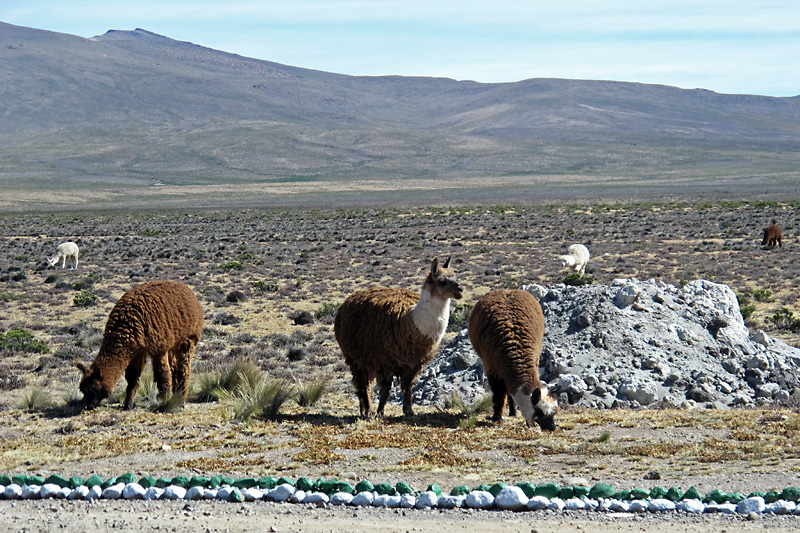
<point x="521" y="497"/>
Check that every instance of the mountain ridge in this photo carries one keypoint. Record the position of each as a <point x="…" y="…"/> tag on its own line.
<point x="132" y="105"/>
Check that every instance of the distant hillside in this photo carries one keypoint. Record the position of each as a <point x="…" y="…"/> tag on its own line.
<point x="128" y="111"/>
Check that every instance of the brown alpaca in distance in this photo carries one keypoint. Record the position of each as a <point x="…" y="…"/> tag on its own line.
<point x="386" y="332"/>
<point x="772" y="236"/>
<point x="160" y="320"/>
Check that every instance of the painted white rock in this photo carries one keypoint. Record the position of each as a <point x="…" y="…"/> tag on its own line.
<point x="691" y="506"/>
<point x="385" y="500"/>
<point x="114" y="492"/>
<point x="661" y="505"/>
<point x="723" y="508"/>
<point x="538" y="503"/>
<point x="133" y="491"/>
<point x="49" y="490"/>
<point x="174" y="492"/>
<point x="619" y="506"/>
<point x="363" y="499"/>
<point x="480" y="499"/>
<point x="341" y="498"/>
<point x="638" y="506"/>
<point x="556" y="504"/>
<point x="281" y="493"/>
<point x="316" y="498"/>
<point x="252" y="494"/>
<point x="754" y="504"/>
<point x="31" y="492"/>
<point x="94" y="493"/>
<point x="574" y="504"/>
<point x="511" y="498"/>
<point x="298" y="496"/>
<point x="781" y="507"/>
<point x="452" y="502"/>
<point x="407" y="501"/>
<point x="153" y="493"/>
<point x="195" y="493"/>
<point x="427" y="500"/>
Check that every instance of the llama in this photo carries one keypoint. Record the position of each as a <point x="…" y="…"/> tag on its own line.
<point x="772" y="236"/>
<point x="506" y="329"/>
<point x="160" y="320"/>
<point x="576" y="258"/>
<point x="386" y="332"/>
<point x="65" y="250"/>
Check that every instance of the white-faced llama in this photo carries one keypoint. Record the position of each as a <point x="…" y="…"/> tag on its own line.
<point x="159" y="320"/>
<point x="65" y="250"/>
<point x="386" y="332"/>
<point x="506" y="329"/>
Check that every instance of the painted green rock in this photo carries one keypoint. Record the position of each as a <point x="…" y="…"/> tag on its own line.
<point x="602" y="490"/>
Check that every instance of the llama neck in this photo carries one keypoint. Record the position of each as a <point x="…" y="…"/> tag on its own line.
<point x="431" y="315"/>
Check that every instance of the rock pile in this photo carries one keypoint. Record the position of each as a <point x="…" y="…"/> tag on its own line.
<point x="637" y="344"/>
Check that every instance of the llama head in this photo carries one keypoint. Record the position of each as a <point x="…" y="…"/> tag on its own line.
<point x="567" y="260"/>
<point x="442" y="281"/>
<point x="52" y="261"/>
<point x="91" y="386"/>
<point x="540" y="406"/>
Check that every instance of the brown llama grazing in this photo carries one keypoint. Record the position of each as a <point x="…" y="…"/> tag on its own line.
<point x="160" y="320"/>
<point x="506" y="329"/>
<point x="772" y="236"/>
<point x="385" y="332"/>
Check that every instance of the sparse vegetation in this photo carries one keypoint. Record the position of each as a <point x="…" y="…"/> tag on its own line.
<point x="576" y="280"/>
<point x="85" y="299"/>
<point x="783" y="318"/>
<point x="21" y="340"/>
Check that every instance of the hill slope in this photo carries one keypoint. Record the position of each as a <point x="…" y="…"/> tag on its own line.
<point x="135" y="110"/>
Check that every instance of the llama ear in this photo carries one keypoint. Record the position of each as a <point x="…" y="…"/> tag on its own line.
<point x="536" y="396"/>
<point x="447" y="263"/>
<point x="435" y="266"/>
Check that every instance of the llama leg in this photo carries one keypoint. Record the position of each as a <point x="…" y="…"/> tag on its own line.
<point x="364" y="394"/>
<point x="183" y="369"/>
<point x="162" y="374"/>
<point x="132" y="374"/>
<point x="407" y="380"/>
<point x="512" y="407"/>
<point x="384" y="387"/>
<point x="499" y="394"/>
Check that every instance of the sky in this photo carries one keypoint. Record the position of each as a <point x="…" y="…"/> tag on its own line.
<point x="727" y="46"/>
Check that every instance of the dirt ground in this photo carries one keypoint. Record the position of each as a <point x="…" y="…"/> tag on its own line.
<point x="296" y="262"/>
